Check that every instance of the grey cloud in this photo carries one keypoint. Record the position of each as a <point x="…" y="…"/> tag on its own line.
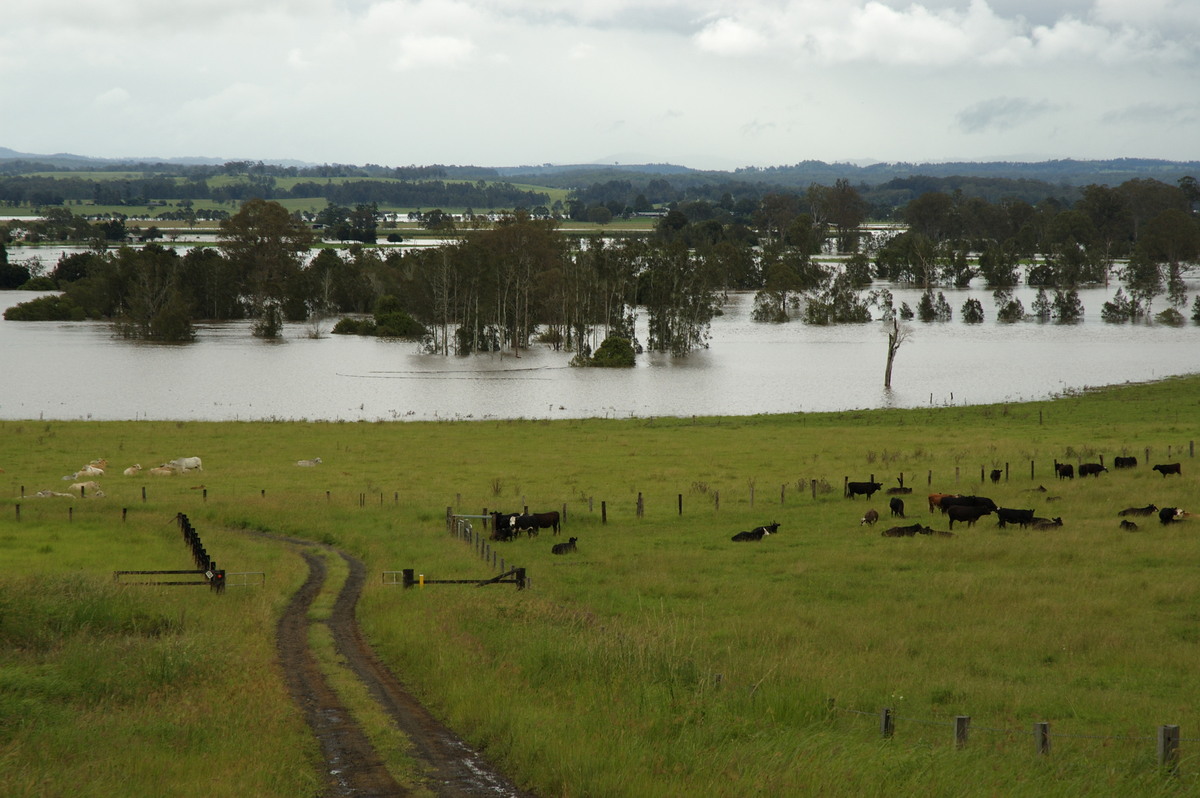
<point x="1155" y="113"/>
<point x="1002" y="113"/>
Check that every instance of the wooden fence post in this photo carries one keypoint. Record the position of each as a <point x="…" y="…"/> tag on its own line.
<point x="956" y="475"/>
<point x="813" y="483"/>
<point x="887" y="724"/>
<point x="752" y="495"/>
<point x="716" y="500"/>
<point x="1168" y="748"/>
<point x="19" y="512"/>
<point x="641" y="507"/>
<point x="1031" y="470"/>
<point x="681" y="504"/>
<point x="782" y="493"/>
<point x="962" y="727"/>
<point x="603" y="512"/>
<point x="1041" y="737"/>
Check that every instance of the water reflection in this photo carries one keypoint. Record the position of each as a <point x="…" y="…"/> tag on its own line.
<point x="80" y="371"/>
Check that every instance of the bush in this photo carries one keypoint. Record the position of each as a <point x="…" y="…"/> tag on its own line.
<point x="55" y="307"/>
<point x="397" y="324"/>
<point x="614" y="353"/>
<point x="349" y="326"/>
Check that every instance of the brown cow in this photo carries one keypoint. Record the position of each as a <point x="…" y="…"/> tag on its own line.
<point x="935" y="500"/>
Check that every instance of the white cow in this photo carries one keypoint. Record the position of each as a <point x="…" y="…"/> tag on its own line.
<point x="133" y="470"/>
<point x="89" y="471"/>
<point x="309" y="463"/>
<point x="85" y="489"/>
<point x="187" y="464"/>
<point x="163" y="470"/>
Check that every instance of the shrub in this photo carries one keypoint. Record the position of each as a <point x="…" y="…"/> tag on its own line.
<point x="349" y="326"/>
<point x="614" y="353"/>
<point x="55" y="307"/>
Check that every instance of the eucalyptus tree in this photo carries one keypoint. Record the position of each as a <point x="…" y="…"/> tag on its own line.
<point x="267" y="246"/>
<point x="680" y="297"/>
<point x="154" y="307"/>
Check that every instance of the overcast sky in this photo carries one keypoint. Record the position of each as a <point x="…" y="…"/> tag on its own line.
<point x="704" y="83"/>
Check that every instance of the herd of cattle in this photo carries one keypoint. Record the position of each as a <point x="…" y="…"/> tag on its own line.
<point x="969" y="509"/>
<point x="84" y="484"/>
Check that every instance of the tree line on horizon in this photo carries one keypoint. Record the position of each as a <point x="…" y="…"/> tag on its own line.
<point x="521" y="279"/>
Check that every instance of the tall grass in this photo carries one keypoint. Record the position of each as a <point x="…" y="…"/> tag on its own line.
<point x="661" y="659"/>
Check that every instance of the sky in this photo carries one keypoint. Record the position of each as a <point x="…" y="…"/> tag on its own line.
<point x="710" y="84"/>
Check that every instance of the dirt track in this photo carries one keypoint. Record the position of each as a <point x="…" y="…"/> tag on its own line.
<point x="353" y="767"/>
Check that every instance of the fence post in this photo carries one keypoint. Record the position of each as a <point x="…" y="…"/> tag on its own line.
<point x="681" y="504"/>
<point x="641" y="507"/>
<point x="71" y="513"/>
<point x="124" y="510"/>
<point x="1030" y="470"/>
<point x="887" y="724"/>
<point x="956" y="475"/>
<point x="144" y="493"/>
<point x="449" y="519"/>
<point x="752" y="495"/>
<point x="19" y="512"/>
<point x="1168" y="748"/>
<point x="603" y="512"/>
<point x="962" y="726"/>
<point x="1041" y="737"/>
<point x="929" y="481"/>
<point x="716" y="500"/>
<point x="845" y="487"/>
<point x="813" y="483"/>
<point x="564" y="513"/>
<point x="782" y="491"/>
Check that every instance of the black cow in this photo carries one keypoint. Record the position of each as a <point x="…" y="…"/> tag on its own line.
<point x="564" y="548"/>
<point x="906" y="531"/>
<point x="1064" y="470"/>
<point x="996" y="474"/>
<point x="1128" y="525"/>
<point x="867" y="489"/>
<point x="897" y="506"/>
<point x="968" y="513"/>
<point x="767" y="529"/>
<point x="1124" y="462"/>
<point x="1046" y="523"/>
<point x="530" y="523"/>
<point x="504" y="526"/>
<point x="1168" y="514"/>
<point x="1168" y="468"/>
<point x="1007" y="515"/>
<point x="1091" y="469"/>
<point x="1149" y="509"/>
<point x="758" y="533"/>
<point x="967" y="501"/>
<point x="898" y="491"/>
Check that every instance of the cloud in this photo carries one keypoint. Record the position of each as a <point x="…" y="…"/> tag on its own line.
<point x="112" y="98"/>
<point x="417" y="52"/>
<point x="1002" y="113"/>
<point x="729" y="37"/>
<point x="1158" y="114"/>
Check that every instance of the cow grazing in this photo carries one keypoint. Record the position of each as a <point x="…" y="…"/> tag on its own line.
<point x="867" y="489"/>
<point x="187" y="464"/>
<point x="869" y="517"/>
<point x="897" y="507"/>
<point x="968" y="501"/>
<point x="935" y="500"/>
<point x="133" y="470"/>
<point x="966" y="513"/>
<point x="1091" y="469"/>
<point x="1064" y="470"/>
<point x="1124" y="462"/>
<point x="1149" y="509"/>
<point x="1047" y="523"/>
<point x="1168" y="468"/>
<point x="316" y="461"/>
<point x="564" y="548"/>
<point x="906" y="531"/>
<point x="996" y="474"/>
<point x="1128" y="525"/>
<point x="1007" y="515"/>
<point x="1168" y="514"/>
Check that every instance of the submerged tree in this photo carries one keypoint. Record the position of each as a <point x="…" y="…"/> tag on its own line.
<point x="896" y="336"/>
<point x="972" y="311"/>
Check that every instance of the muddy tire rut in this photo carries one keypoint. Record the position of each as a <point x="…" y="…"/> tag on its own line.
<point x="352" y="765"/>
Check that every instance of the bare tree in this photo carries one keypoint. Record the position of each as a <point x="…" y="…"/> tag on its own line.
<point x="896" y="336"/>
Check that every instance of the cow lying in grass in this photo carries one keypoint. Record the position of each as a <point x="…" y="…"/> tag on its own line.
<point x="564" y="548"/>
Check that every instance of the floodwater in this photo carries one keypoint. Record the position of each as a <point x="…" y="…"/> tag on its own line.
<point x="56" y="370"/>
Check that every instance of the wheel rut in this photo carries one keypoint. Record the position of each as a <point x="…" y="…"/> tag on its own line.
<point x="353" y="766"/>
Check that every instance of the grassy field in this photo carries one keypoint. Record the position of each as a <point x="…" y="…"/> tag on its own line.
<point x="661" y="659"/>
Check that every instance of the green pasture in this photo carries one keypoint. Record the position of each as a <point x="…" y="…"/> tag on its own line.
<point x="661" y="659"/>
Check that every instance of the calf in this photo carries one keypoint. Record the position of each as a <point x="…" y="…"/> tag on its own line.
<point x="869" y="517"/>
<point x="1168" y="468"/>
<point x="1091" y="469"/>
<point x="1006" y="515"/>
<point x="969" y="514"/>
<point x="867" y="489"/>
<point x="1046" y="523"/>
<point x="1128" y="525"/>
<point x="996" y="474"/>
<point x="897" y="506"/>
<point x="906" y="531"/>
<point x="1149" y="509"/>
<point x="504" y="526"/>
<point x="564" y="548"/>
<point x="1124" y="462"/>
<point x="1064" y="470"/>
